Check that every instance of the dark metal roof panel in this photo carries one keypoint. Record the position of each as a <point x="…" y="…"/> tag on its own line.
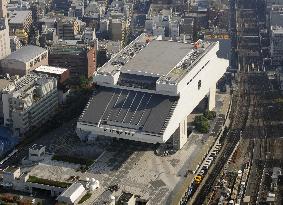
<point x="147" y="111"/>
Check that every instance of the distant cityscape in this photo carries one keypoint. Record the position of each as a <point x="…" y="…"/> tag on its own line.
<point x="141" y="102"/>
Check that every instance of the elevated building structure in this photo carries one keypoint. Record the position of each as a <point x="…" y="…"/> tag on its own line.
<point x="147" y="90"/>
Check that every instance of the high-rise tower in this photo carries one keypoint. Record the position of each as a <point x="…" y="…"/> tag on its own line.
<point x="3" y="8"/>
<point x="4" y="31"/>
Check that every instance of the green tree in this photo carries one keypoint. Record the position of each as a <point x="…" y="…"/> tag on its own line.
<point x="202" y="124"/>
<point x="209" y="114"/>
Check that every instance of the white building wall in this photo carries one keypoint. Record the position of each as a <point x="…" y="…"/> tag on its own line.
<point x="190" y="96"/>
<point x="106" y="80"/>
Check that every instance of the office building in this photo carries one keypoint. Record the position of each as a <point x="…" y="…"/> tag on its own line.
<point x="67" y="28"/>
<point x="80" y="60"/>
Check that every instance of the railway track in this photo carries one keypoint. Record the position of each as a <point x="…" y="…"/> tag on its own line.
<point x="246" y="121"/>
<point x="257" y="135"/>
<point x="240" y="109"/>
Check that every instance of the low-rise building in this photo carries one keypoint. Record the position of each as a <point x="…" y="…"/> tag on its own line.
<point x="20" y="20"/>
<point x="72" y="194"/>
<point x="24" y="60"/>
<point x="36" y="152"/>
<point x="127" y="199"/>
<point x="10" y="174"/>
<point x="29" y="102"/>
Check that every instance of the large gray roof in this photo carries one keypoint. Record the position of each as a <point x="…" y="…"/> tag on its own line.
<point x="19" y="17"/>
<point x="158" y="57"/>
<point x="26" y="53"/>
<point x="145" y="112"/>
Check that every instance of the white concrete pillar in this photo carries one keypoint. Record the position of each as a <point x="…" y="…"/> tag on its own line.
<point x="211" y="97"/>
<point x="180" y="136"/>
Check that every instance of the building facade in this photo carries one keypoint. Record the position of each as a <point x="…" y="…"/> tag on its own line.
<point x="67" y="28"/>
<point x="277" y="45"/>
<point x="4" y="38"/>
<point x="29" y="102"/>
<point x="80" y="60"/>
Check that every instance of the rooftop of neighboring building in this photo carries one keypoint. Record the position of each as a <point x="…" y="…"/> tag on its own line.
<point x="112" y="47"/>
<point x="18" y="17"/>
<point x="125" y="197"/>
<point x="37" y="147"/>
<point x="26" y="53"/>
<point x="51" y="70"/>
<point x="67" y="19"/>
<point x="71" y="190"/>
<point x="20" y="85"/>
<point x="63" y="48"/>
<point x="4" y="83"/>
<point x="277" y="29"/>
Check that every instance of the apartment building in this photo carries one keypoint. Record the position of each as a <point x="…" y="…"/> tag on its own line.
<point x="29" y="102"/>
